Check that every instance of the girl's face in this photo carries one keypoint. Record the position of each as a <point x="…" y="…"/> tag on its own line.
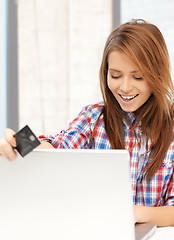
<point x="126" y="82"/>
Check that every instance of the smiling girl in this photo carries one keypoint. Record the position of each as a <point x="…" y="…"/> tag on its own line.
<point x="136" y="114"/>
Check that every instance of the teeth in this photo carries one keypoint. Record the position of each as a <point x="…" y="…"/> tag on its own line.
<point x="128" y="98"/>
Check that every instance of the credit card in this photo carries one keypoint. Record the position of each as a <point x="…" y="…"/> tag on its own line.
<point x="26" y="141"/>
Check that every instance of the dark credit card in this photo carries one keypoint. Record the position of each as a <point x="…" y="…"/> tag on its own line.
<point x="26" y="141"/>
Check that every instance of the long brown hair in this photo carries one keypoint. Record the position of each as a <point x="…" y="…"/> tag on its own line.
<point x="144" y="44"/>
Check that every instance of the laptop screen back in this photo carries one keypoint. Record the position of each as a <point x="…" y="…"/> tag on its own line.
<point x="66" y="194"/>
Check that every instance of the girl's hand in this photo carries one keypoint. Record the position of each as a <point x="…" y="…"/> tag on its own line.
<point x="7" y="145"/>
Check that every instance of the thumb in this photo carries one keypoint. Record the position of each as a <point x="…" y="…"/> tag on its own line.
<point x="9" y="136"/>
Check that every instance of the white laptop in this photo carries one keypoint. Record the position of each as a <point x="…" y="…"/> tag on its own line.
<point x="67" y="195"/>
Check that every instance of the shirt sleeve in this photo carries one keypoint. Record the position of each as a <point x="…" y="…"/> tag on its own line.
<point x="77" y="135"/>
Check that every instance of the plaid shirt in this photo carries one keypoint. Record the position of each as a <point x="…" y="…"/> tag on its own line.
<point x="160" y="189"/>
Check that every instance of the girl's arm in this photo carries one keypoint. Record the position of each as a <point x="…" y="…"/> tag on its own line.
<point x="45" y="145"/>
<point x="161" y="216"/>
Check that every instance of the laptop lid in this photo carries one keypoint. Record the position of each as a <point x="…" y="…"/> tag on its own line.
<point x="66" y="194"/>
<point x="144" y="231"/>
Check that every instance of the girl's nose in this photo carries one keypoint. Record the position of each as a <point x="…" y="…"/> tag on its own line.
<point x="125" y="85"/>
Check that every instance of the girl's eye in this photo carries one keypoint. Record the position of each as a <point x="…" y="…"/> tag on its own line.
<point x="115" y="77"/>
<point x="138" y="78"/>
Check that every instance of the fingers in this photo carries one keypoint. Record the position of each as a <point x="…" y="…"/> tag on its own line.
<point x="7" y="151"/>
<point x="8" y="134"/>
<point x="7" y="145"/>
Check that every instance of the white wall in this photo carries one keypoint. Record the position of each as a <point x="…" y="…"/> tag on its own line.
<point x="60" y="48"/>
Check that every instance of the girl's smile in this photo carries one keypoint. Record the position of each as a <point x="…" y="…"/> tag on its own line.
<point x="128" y="98"/>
